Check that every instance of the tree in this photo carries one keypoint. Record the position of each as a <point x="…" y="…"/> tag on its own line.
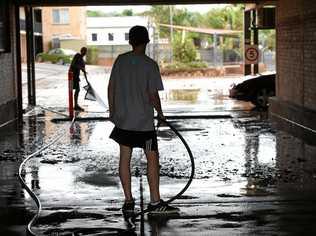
<point x="127" y="12"/>
<point x="184" y="51"/>
<point x="161" y="15"/>
<point x="230" y="17"/>
<point x="267" y="39"/>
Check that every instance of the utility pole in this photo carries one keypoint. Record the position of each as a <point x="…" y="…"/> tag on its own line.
<point x="247" y="38"/>
<point x="215" y="57"/>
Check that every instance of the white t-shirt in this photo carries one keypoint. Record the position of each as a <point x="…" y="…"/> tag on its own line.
<point x="133" y="77"/>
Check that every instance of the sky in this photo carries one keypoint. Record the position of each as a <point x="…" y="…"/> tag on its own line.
<point x="202" y="8"/>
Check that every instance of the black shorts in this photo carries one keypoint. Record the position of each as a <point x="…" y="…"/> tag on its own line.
<point x="142" y="139"/>
<point x="76" y="84"/>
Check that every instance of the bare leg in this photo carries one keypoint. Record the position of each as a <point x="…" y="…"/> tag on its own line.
<point x="153" y="175"/>
<point x="125" y="171"/>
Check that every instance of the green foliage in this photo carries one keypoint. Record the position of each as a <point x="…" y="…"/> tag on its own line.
<point x="95" y="13"/>
<point x="267" y="39"/>
<point x="230" y="17"/>
<point x="127" y="12"/>
<point x="185" y="66"/>
<point x="184" y="51"/>
<point x="92" y="55"/>
<point x="161" y="15"/>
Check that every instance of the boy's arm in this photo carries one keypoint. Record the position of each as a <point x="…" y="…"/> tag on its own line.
<point x="155" y="101"/>
<point x="82" y="66"/>
<point x="111" y="87"/>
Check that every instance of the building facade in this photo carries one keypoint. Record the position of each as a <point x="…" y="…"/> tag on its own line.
<point x="63" y="24"/>
<point x="114" y="30"/>
<point x="295" y="101"/>
<point x="109" y="35"/>
<point x="37" y="28"/>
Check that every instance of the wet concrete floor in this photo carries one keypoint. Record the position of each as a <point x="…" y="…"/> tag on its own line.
<point x="251" y="179"/>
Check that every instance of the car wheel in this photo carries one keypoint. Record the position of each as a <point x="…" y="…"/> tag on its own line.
<point x="60" y="61"/>
<point x="262" y="98"/>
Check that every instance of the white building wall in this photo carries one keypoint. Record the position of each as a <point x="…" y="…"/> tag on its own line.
<point x="103" y="36"/>
<point x="118" y="26"/>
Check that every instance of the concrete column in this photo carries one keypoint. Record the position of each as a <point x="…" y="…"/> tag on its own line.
<point x="18" y="65"/>
<point x="30" y="55"/>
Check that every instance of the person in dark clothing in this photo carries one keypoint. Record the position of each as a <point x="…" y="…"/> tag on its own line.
<point x="77" y="65"/>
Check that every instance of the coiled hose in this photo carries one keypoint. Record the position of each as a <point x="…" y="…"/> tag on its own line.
<point x="24" y="185"/>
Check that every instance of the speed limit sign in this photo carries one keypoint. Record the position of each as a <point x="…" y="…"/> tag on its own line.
<point x="251" y="54"/>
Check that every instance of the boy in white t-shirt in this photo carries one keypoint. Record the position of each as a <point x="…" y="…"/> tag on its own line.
<point x="133" y="95"/>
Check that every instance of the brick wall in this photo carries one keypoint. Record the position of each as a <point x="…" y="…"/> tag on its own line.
<point x="310" y="54"/>
<point x="7" y="79"/>
<point x="289" y="51"/>
<point x="295" y="102"/>
<point x="296" y="52"/>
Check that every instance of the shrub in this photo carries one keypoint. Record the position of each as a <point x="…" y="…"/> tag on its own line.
<point x="92" y="55"/>
<point x="184" y="51"/>
<point x="185" y="66"/>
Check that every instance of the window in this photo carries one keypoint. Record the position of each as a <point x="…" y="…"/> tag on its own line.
<point x="111" y="36"/>
<point x="94" y="37"/>
<point x="38" y="15"/>
<point x="126" y="36"/>
<point x="61" y="16"/>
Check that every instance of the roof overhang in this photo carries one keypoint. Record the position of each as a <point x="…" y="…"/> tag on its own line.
<point x="204" y="30"/>
<point x="127" y="2"/>
<point x="258" y="5"/>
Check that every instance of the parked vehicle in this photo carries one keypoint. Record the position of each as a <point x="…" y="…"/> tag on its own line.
<point x="255" y="90"/>
<point x="57" y="55"/>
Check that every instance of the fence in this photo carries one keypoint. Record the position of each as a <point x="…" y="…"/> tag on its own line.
<point x="106" y="55"/>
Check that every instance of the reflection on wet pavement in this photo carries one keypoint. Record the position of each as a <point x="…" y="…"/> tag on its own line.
<point x="249" y="178"/>
<point x="186" y="95"/>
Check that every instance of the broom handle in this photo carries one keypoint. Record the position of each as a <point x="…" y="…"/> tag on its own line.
<point x="85" y="76"/>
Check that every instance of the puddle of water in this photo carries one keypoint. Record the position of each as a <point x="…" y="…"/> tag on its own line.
<point x="236" y="160"/>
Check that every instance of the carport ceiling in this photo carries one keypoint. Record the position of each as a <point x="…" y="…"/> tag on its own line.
<point x="129" y="2"/>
